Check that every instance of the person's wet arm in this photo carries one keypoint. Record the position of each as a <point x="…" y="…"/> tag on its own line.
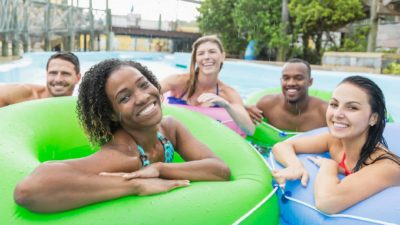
<point x="166" y="84"/>
<point x="286" y="153"/>
<point x="333" y="195"/>
<point x="63" y="185"/>
<point x="240" y="116"/>
<point x="234" y="106"/>
<point x="14" y="93"/>
<point x="200" y="162"/>
<point x="57" y="186"/>
<point x="255" y="113"/>
<point x="173" y="83"/>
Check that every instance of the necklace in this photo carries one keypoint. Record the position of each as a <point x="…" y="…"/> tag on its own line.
<point x="298" y="117"/>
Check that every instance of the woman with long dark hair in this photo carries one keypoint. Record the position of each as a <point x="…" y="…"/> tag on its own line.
<point x="356" y="118"/>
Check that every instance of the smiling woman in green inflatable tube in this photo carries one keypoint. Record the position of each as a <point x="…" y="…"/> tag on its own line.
<point x="119" y="107"/>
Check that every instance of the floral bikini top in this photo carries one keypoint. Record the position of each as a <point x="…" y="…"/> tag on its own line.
<point x="168" y="151"/>
<point x="341" y="164"/>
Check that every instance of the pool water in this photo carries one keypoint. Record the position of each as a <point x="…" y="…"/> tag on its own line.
<point x="245" y="77"/>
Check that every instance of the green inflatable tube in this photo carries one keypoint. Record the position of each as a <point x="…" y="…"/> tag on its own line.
<point x="42" y="130"/>
<point x="266" y="135"/>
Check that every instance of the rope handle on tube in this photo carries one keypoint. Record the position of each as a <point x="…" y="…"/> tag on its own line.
<point x="286" y="196"/>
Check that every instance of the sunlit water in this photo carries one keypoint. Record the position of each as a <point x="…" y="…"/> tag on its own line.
<point x="246" y="77"/>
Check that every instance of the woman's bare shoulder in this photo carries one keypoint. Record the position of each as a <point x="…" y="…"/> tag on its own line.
<point x="174" y="83"/>
<point x="227" y="92"/>
<point x="181" y="77"/>
<point x="386" y="157"/>
<point x="170" y="127"/>
<point x="169" y="123"/>
<point x="121" y="143"/>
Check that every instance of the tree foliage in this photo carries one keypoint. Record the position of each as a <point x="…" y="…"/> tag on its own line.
<point x="392" y="68"/>
<point x="311" y="18"/>
<point x="260" y="20"/>
<point x="356" y="41"/>
<point x="239" y="21"/>
<point x="216" y="17"/>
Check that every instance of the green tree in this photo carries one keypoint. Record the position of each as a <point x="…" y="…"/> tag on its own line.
<point x="216" y="17"/>
<point x="313" y="18"/>
<point x="356" y="40"/>
<point x="239" y="21"/>
<point x="260" y="20"/>
<point x="392" y="68"/>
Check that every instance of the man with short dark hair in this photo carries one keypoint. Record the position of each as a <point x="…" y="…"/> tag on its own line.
<point x="63" y="73"/>
<point x="293" y="109"/>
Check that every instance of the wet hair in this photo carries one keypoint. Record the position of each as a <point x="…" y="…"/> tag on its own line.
<point x="375" y="137"/>
<point x="194" y="72"/>
<point x="67" y="56"/>
<point x="297" y="60"/>
<point x="94" y="109"/>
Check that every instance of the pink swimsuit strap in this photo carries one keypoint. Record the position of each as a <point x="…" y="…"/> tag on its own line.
<point x="341" y="164"/>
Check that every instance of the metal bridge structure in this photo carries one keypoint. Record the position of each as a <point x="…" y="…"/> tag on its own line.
<point x="26" y="22"/>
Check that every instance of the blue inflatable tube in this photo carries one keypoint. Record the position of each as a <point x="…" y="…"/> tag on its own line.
<point x="297" y="203"/>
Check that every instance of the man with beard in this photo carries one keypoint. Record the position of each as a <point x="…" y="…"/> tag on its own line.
<point x="293" y="109"/>
<point x="63" y="73"/>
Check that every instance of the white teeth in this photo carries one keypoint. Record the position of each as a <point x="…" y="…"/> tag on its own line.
<point x="58" y="87"/>
<point x="291" y="90"/>
<point x="340" y="125"/>
<point x="147" y="109"/>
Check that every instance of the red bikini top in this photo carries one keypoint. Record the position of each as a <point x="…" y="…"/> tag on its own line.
<point x="341" y="164"/>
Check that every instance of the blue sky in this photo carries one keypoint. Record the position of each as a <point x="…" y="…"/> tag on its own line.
<point x="149" y="9"/>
